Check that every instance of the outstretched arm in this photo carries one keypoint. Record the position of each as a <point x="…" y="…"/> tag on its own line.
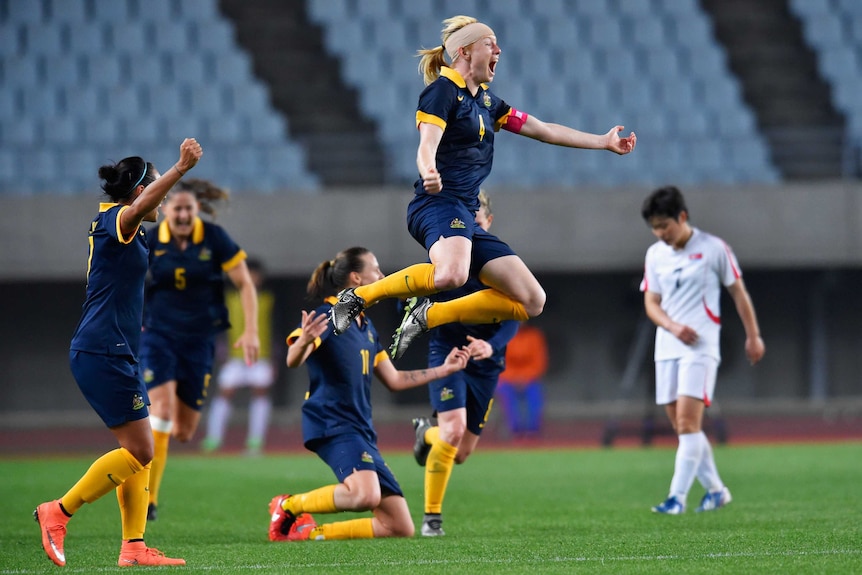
<point x="396" y="380"/>
<point x="560" y="135"/>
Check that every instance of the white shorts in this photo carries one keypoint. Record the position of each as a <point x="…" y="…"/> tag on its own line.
<point x="692" y="376"/>
<point x="235" y="373"/>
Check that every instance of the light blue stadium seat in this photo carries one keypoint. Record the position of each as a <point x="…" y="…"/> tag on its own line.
<point x="552" y="9"/>
<point x="267" y="129"/>
<point x="83" y="101"/>
<point x="598" y="8"/>
<point x="636" y="8"/>
<point x="604" y="32"/>
<point x="128" y="37"/>
<point x="25" y="12"/>
<point x="202" y="10"/>
<point x="71" y="12"/>
<point x="190" y="69"/>
<point x="419" y="11"/>
<point x="60" y="130"/>
<point x="661" y="61"/>
<point x="838" y="61"/>
<point x="38" y="102"/>
<point x="11" y="42"/>
<point x="88" y="39"/>
<point x="100" y="132"/>
<point x="180" y="127"/>
<point x="806" y="8"/>
<point x="61" y="70"/>
<point x="40" y="39"/>
<point x="648" y="30"/>
<point x="165" y="100"/>
<point x="735" y="123"/>
<point x="824" y="30"/>
<point x="9" y="106"/>
<point x="471" y="8"/>
<point x="213" y="35"/>
<point x="244" y="97"/>
<point x="694" y="30"/>
<point x="206" y="101"/>
<point x="112" y="10"/>
<point x="101" y="69"/>
<point x="342" y="38"/>
<point x="226" y="129"/>
<point x="19" y="71"/>
<point x="20" y="131"/>
<point x="330" y="10"/>
<point x="170" y="36"/>
<point x="563" y="33"/>
<point x="619" y="63"/>
<point x="123" y="100"/>
<point x="139" y="133"/>
<point x="232" y="67"/>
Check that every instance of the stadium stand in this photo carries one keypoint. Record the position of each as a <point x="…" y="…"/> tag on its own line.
<point x="88" y="81"/>
<point x="73" y="71"/>
<point x="676" y="82"/>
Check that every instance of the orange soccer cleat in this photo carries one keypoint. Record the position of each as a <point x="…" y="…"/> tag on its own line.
<point x="281" y="521"/>
<point x="52" y="521"/>
<point x="302" y="527"/>
<point x="138" y="554"/>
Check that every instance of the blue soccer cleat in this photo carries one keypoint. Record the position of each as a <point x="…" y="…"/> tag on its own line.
<point x="670" y="506"/>
<point x="714" y="500"/>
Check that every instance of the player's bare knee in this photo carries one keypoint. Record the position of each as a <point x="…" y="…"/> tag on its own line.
<point x="144" y="455"/>
<point x="363" y="501"/>
<point x="448" y="279"/>
<point x="403" y="529"/>
<point x="183" y="435"/>
<point x="535" y="304"/>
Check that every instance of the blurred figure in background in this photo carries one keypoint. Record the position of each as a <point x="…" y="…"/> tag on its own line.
<point x="235" y="373"/>
<point x="520" y="389"/>
<point x="683" y="275"/>
<point x="185" y="311"/>
<point x="462" y="401"/>
<point x="103" y="356"/>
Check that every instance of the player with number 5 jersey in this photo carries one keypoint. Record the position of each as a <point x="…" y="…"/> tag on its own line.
<point x="185" y="310"/>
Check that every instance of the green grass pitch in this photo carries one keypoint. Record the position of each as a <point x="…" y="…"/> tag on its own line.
<point x="796" y="509"/>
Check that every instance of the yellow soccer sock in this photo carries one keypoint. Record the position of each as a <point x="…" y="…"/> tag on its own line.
<point x="485" y="306"/>
<point x="162" y="440"/>
<point x="321" y="500"/>
<point x="105" y="474"/>
<point x="132" y="497"/>
<point x="438" y="469"/>
<point x="353" y="529"/>
<point x="432" y="435"/>
<point x="416" y="280"/>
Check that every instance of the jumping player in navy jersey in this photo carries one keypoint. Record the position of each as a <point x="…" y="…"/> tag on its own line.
<point x="336" y="415"/>
<point x="463" y="400"/>
<point x="185" y="311"/>
<point x="457" y="118"/>
<point x="103" y="356"/>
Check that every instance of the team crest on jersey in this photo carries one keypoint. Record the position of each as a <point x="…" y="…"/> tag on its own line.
<point x="697" y="256"/>
<point x="137" y="402"/>
<point x="370" y="338"/>
<point x="148" y="375"/>
<point x="457" y="224"/>
<point x="206" y="255"/>
<point x="446" y="394"/>
<point x="366" y="457"/>
<point x="487" y="100"/>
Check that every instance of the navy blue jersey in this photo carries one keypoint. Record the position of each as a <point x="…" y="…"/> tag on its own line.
<point x="185" y="291"/>
<point x="444" y="337"/>
<point x="466" y="151"/>
<point x="116" y="267"/>
<point x="340" y="370"/>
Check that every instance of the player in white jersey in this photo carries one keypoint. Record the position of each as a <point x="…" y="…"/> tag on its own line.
<point x="683" y="275"/>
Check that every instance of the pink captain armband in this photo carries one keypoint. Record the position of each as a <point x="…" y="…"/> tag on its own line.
<point x="515" y="121"/>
